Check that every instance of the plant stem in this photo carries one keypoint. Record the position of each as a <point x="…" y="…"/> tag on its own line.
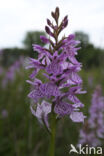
<point x="53" y="132"/>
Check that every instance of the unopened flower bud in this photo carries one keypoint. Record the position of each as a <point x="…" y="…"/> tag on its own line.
<point x="57" y="12"/>
<point x="44" y="39"/>
<point x="49" y="22"/>
<point x="47" y="30"/>
<point x="53" y="14"/>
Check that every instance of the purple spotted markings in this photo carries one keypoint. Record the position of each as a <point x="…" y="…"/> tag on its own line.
<point x="55" y="91"/>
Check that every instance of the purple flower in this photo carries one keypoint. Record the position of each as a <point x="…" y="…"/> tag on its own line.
<point x="4" y="113"/>
<point x="96" y="112"/>
<point x="54" y="68"/>
<point x="77" y="116"/>
<point x="59" y="66"/>
<point x="42" y="112"/>
<point x="93" y="130"/>
<point x="10" y="74"/>
<point x="44" y="90"/>
<point x="44" y="39"/>
<point x="89" y="139"/>
<point x="63" y="108"/>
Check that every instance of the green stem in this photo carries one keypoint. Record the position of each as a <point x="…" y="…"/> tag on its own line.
<point x="53" y="133"/>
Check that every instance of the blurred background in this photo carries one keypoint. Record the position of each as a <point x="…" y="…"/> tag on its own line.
<point x="21" y="24"/>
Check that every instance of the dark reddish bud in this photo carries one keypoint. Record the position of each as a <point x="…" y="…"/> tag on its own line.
<point x="53" y="14"/>
<point x="57" y="12"/>
<point x="65" y="18"/>
<point x="49" y="22"/>
<point x="47" y="30"/>
<point x="65" y="23"/>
